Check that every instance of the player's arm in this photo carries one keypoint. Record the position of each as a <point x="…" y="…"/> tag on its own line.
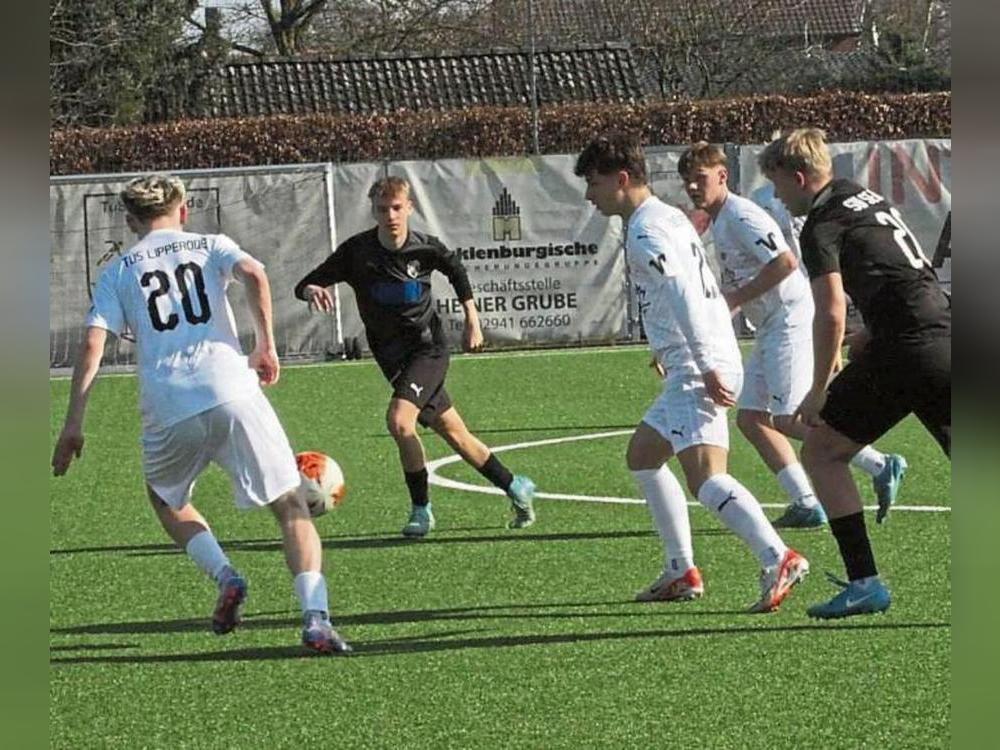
<point x="472" y="336"/>
<point x="314" y="287"/>
<point x="264" y="357"/>
<point x="762" y="238"/>
<point x="829" y="322"/>
<point x="773" y="273"/>
<point x="449" y="263"/>
<point x="70" y="442"/>
<point x="687" y="304"/>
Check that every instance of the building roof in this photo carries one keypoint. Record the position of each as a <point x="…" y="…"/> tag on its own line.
<point x="595" y="20"/>
<point x="389" y="83"/>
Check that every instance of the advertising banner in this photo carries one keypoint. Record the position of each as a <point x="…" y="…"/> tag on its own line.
<point x="545" y="267"/>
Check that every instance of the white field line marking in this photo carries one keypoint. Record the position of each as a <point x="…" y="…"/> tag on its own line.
<point x="128" y="371"/>
<point x="452" y="484"/>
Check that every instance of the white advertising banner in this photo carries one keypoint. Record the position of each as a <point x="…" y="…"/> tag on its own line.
<point x="544" y="266"/>
<point x="281" y="216"/>
<point x="913" y="175"/>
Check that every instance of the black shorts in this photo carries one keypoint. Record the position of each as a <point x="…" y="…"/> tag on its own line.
<point x="418" y="377"/>
<point x="887" y="382"/>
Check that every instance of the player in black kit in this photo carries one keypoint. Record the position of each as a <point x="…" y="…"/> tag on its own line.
<point x="854" y="242"/>
<point x="389" y="268"/>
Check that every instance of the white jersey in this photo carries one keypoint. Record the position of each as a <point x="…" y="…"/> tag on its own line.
<point x="746" y="239"/>
<point x="685" y="317"/>
<point x="170" y="291"/>
<point x="790" y="226"/>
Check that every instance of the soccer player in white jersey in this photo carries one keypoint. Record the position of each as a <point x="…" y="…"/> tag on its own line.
<point x="759" y="276"/>
<point x="199" y="395"/>
<point x="689" y="329"/>
<point x="790" y="226"/>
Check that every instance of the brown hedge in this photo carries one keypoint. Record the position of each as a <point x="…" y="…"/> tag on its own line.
<point x="485" y="131"/>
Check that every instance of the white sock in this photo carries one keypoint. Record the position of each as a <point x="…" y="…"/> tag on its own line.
<point x="310" y="586"/>
<point x="668" y="505"/>
<point x="741" y="513"/>
<point x="869" y="460"/>
<point x="204" y="549"/>
<point x="796" y="484"/>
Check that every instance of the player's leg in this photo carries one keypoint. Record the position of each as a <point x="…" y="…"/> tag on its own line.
<point x="251" y="446"/>
<point x="304" y="557"/>
<point x="646" y="457"/>
<point x="862" y="404"/>
<point x="705" y="468"/>
<point x="520" y="489"/>
<point x="401" y="420"/>
<point x="933" y="390"/>
<point x="775" y="380"/>
<point x="173" y="457"/>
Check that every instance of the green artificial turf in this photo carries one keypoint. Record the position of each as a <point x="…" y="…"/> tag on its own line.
<point x="477" y="636"/>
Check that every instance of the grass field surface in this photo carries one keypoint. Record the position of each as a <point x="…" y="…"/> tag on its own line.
<point x="478" y="636"/>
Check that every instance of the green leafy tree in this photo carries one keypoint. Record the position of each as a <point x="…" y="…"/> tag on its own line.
<point x="106" y="55"/>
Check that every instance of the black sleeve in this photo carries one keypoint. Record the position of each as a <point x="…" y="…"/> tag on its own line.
<point x="821" y="248"/>
<point x="327" y="273"/>
<point x="449" y="263"/>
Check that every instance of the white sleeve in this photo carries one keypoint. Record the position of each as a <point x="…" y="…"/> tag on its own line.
<point x="225" y="254"/>
<point x="760" y="235"/>
<point x="685" y="295"/>
<point x="106" y="310"/>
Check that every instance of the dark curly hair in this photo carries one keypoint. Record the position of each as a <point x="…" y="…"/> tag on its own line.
<point x="613" y="152"/>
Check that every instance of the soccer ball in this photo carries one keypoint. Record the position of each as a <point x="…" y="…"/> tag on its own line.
<point x="322" y="487"/>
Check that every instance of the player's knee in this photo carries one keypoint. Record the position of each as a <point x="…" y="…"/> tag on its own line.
<point x="400" y="426"/>
<point x="640" y="455"/>
<point x="824" y="446"/>
<point x="289" y="506"/>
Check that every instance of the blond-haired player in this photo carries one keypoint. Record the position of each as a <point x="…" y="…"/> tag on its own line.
<point x="759" y="277"/>
<point x="855" y="243"/>
<point x="389" y="267"/>
<point x="199" y="395"/>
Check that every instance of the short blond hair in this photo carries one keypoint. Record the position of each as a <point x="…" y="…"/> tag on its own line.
<point x="152" y="195"/>
<point x="802" y="150"/>
<point x="389" y="187"/>
<point x="701" y="154"/>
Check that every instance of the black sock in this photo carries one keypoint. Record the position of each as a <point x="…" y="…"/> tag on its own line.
<point x="855" y="549"/>
<point x="416" y="483"/>
<point x="496" y="472"/>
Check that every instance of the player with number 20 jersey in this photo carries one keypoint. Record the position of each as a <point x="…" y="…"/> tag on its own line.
<point x="170" y="291"/>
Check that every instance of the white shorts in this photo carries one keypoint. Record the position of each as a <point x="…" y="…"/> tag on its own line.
<point x="243" y="437"/>
<point x="684" y="414"/>
<point x="779" y="372"/>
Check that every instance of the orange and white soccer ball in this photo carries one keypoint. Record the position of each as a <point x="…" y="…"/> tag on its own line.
<point x="322" y="487"/>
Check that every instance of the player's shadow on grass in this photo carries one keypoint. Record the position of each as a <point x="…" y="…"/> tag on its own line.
<point x="540" y="428"/>
<point x="388" y="539"/>
<point x="269" y="620"/>
<point x="444" y="642"/>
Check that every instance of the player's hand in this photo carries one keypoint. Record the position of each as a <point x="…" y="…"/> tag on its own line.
<point x="472" y="337"/>
<point x="810" y="408"/>
<point x="658" y="368"/>
<point x="319" y="299"/>
<point x="265" y="361"/>
<point x="717" y="390"/>
<point x="68" y="446"/>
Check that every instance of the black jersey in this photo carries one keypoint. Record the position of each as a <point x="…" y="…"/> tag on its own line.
<point x="855" y="232"/>
<point x="392" y="287"/>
